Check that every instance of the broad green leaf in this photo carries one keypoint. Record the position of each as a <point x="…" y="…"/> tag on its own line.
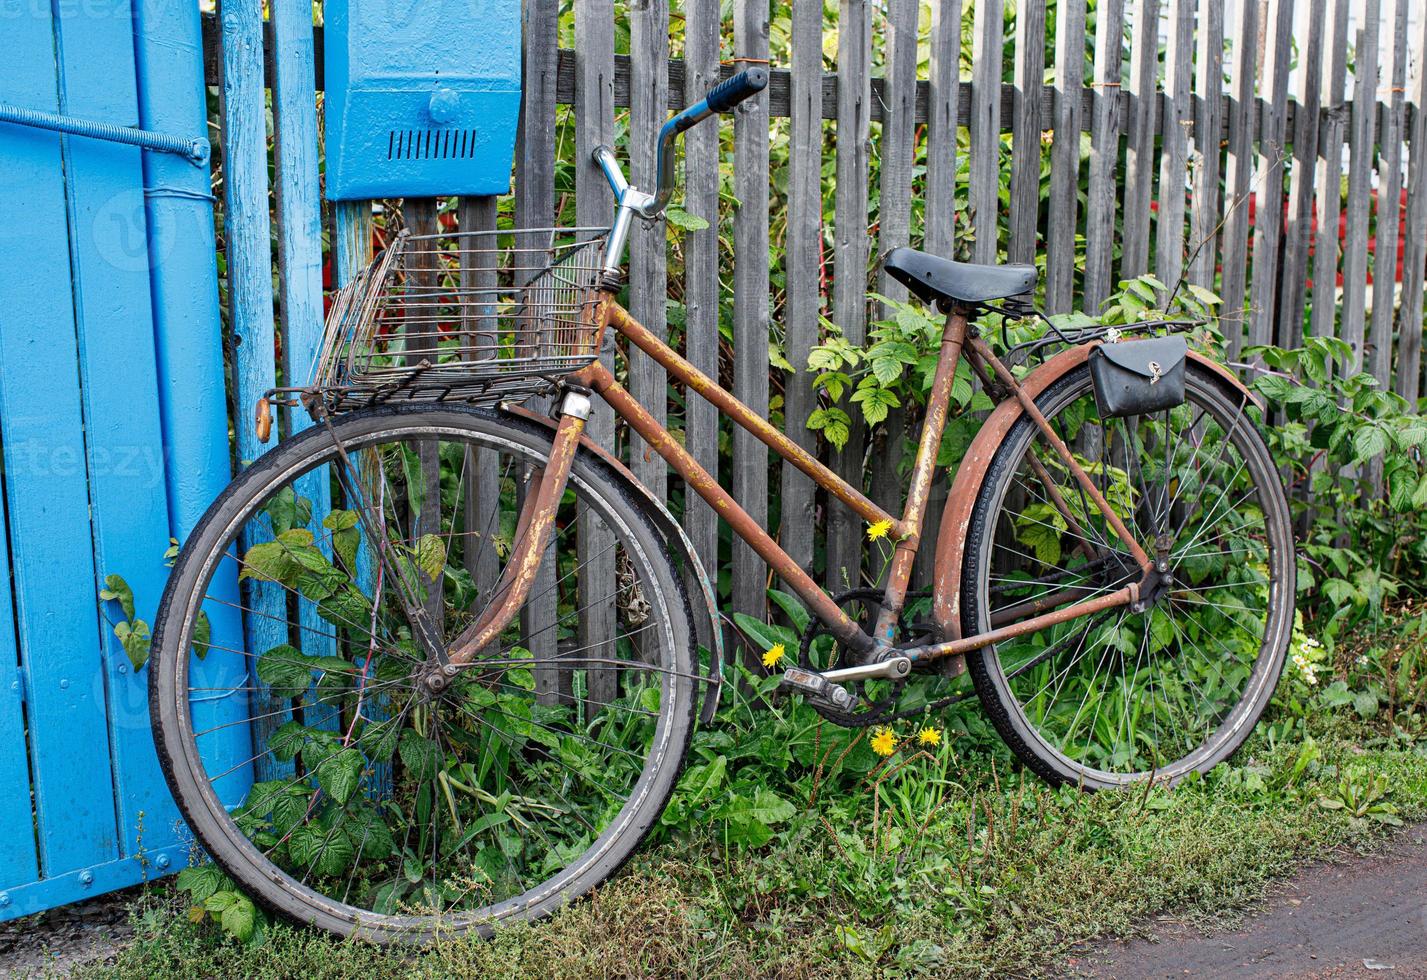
<point x="680" y="218"/>
<point x="340" y="775"/>
<point x="135" y="639"/>
<point x="792" y="608"/>
<point x="419" y="755"/>
<point x="286" y="741"/>
<point x="430" y="555"/>
<point x="201" y="881"/>
<point x="117" y="590"/>
<point x="202" y="635"/>
<point x="285" y="670"/>
<point x="239" y="918"/>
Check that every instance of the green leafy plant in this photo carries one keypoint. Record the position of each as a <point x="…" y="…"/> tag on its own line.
<point x="1362" y="795"/>
<point x="894" y="369"/>
<point x="133" y="633"/>
<point x="214" y="896"/>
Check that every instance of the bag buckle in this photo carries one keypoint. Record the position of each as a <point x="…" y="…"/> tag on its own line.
<point x="1156" y="372"/>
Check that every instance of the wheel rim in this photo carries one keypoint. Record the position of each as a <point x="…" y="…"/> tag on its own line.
<point x="371" y="801"/>
<point x="1114" y="697"/>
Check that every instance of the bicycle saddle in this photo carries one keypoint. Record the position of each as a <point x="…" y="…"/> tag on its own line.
<point x="933" y="279"/>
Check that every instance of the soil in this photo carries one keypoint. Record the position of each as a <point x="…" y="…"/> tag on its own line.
<point x="53" y="943"/>
<point x="1348" y="916"/>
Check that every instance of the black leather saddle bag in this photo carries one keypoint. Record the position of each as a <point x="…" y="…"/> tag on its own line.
<point x="1138" y="377"/>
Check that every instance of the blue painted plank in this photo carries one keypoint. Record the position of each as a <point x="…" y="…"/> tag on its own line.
<point x="167" y="40"/>
<point x="248" y="234"/>
<point x="47" y="494"/>
<point x="128" y="503"/>
<point x="300" y="252"/>
<point x="77" y="885"/>
<point x="17" y="834"/>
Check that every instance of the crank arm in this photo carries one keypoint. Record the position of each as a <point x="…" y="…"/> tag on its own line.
<point x="827" y="685"/>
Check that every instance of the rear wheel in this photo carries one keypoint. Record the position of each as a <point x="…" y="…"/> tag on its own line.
<point x="311" y="761"/>
<point x="1112" y="698"/>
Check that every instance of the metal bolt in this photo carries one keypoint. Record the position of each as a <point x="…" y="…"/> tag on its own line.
<point x="123" y="668"/>
<point x="4" y="899"/>
<point x="86" y="878"/>
<point x="63" y="683"/>
<point x="161" y="861"/>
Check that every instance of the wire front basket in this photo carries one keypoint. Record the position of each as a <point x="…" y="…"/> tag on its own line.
<point x="475" y="317"/>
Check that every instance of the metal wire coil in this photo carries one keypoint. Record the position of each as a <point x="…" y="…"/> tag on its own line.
<point x="474" y="317"/>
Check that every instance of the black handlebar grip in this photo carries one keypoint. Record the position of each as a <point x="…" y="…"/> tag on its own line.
<point x="731" y="91"/>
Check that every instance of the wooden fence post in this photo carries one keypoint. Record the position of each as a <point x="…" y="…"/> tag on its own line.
<point x="648" y="240"/>
<point x="1101" y="198"/>
<point x="750" y="304"/>
<point x="1409" y="354"/>
<point x="801" y="268"/>
<point x="849" y="306"/>
<point x="1065" y="156"/>
<point x="701" y="273"/>
<point x="594" y="125"/>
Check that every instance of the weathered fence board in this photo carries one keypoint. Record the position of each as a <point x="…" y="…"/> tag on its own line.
<point x="898" y="151"/>
<point x="1389" y="200"/>
<point x="1268" y="179"/>
<point x="1361" y="133"/>
<point x="648" y="262"/>
<point x="1409" y="353"/>
<point x="985" y="161"/>
<point x="1238" y="181"/>
<point x="1176" y="118"/>
<point x="1206" y="161"/>
<point x="1065" y="156"/>
<point x="849" y="300"/>
<point x="801" y="271"/>
<point x="750" y="304"/>
<point x="943" y="110"/>
<point x="701" y="282"/>
<point x="1028" y="73"/>
<point x="1298" y="225"/>
<point x="1100" y="205"/>
<point x="1329" y="199"/>
<point x="1139" y="147"/>
<point x="594" y="126"/>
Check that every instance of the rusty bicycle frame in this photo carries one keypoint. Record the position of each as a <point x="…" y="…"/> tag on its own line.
<point x="878" y="655"/>
<point x="958" y="337"/>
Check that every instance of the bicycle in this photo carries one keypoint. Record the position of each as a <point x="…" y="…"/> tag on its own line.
<point x="472" y="662"/>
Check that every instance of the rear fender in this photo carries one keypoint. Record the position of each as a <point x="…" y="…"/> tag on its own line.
<point x="971" y="473"/>
<point x="706" y="616"/>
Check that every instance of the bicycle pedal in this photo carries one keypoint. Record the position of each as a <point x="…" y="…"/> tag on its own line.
<point x="818" y="688"/>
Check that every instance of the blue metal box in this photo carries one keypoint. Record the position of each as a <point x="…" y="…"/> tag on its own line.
<point x="421" y="97"/>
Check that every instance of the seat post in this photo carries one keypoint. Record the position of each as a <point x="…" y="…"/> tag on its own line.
<point x="938" y="408"/>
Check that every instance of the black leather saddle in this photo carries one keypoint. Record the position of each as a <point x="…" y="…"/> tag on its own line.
<point x="943" y="282"/>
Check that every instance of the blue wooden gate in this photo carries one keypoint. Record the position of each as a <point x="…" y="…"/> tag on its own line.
<point x="113" y="428"/>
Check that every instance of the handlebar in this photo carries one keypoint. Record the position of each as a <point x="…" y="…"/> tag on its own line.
<point x="723" y="97"/>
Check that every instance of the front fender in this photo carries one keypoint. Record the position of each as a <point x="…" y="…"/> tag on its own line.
<point x="706" y="616"/>
<point x="971" y="473"/>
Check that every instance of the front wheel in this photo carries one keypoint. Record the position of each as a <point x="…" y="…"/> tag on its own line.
<point x="308" y="756"/>
<point x="1119" y="696"/>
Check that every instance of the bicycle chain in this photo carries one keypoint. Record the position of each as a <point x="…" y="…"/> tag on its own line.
<point x="878" y="712"/>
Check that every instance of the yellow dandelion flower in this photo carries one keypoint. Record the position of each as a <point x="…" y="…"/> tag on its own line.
<point x="878" y="530"/>
<point x="929" y="736"/>
<point x="884" y="742"/>
<point x="773" y="655"/>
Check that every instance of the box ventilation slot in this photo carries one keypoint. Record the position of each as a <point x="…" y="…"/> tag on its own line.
<point x="431" y="144"/>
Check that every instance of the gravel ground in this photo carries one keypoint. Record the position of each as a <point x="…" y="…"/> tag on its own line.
<point x="1353" y="917"/>
<point x="53" y="943"/>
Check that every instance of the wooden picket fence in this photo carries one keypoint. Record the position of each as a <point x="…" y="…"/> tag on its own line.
<point x="1198" y="126"/>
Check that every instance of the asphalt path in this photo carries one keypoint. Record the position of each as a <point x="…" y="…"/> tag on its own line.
<point x="1353" y="916"/>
